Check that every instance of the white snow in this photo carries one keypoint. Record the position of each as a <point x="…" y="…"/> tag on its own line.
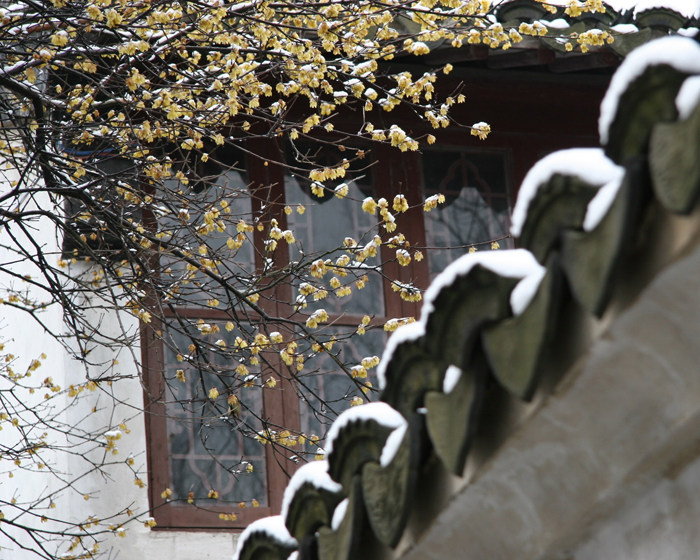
<point x="589" y="164"/>
<point x="405" y="333"/>
<point x="339" y="514"/>
<point x="600" y="204"/>
<point x="681" y="53"/>
<point x="688" y="97"/>
<point x="516" y="263"/>
<point x="525" y="290"/>
<point x="617" y="5"/>
<point x="688" y="31"/>
<point x="687" y="8"/>
<point x="272" y="526"/>
<point x="452" y="376"/>
<point x="392" y="444"/>
<point x="559" y="23"/>
<point x="625" y="28"/>
<point x="314" y="473"/>
<point x="380" y="412"/>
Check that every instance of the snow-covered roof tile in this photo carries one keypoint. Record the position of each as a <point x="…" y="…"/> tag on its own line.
<point x="315" y="474"/>
<point x="589" y="164"/>
<point x="680" y="53"/>
<point x="271" y="528"/>
<point x="379" y="412"/>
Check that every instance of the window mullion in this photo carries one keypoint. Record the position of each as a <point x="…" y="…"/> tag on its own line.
<point x="280" y="403"/>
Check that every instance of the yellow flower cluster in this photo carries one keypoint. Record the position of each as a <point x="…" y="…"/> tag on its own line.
<point x="481" y="130"/>
<point x="403" y="257"/>
<point x="407" y="292"/>
<point x="575" y="8"/>
<point x="432" y="202"/>
<point x="593" y="38"/>
<point x="317" y="317"/>
<point x="536" y="29"/>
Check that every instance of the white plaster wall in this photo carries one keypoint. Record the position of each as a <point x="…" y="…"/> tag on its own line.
<point x="113" y="488"/>
<point x="26" y="340"/>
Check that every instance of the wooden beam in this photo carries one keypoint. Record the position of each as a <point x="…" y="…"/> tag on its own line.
<point x="467" y="53"/>
<point x="518" y="59"/>
<point x="583" y="62"/>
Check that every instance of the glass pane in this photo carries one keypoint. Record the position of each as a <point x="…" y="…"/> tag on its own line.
<point x="327" y="390"/>
<point x="476" y="209"/>
<point x="232" y="250"/>
<point x="322" y="229"/>
<point x="211" y="440"/>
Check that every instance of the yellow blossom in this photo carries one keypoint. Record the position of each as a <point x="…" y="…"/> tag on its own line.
<point x="317" y="189"/>
<point x="341" y="191"/>
<point x="400" y="203"/>
<point x="369" y="205"/>
<point x="480" y="130"/>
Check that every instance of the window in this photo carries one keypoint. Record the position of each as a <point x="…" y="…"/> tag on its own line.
<point x="214" y="395"/>
<point x="476" y="208"/>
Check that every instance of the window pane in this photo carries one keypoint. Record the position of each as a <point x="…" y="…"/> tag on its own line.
<point x="231" y="249"/>
<point x="476" y="209"/>
<point x="212" y="441"/>
<point x="322" y="229"/>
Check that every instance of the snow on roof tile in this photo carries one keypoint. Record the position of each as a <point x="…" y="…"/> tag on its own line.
<point x="680" y="53"/>
<point x="272" y="527"/>
<point x="314" y="473"/>
<point x="688" y="97"/>
<point x="589" y="164"/>
<point x="687" y="8"/>
<point x="378" y="411"/>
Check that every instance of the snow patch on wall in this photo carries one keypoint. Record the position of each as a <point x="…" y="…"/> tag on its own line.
<point x="600" y="204"/>
<point x="405" y="333"/>
<point x="688" y="97"/>
<point x="452" y="376"/>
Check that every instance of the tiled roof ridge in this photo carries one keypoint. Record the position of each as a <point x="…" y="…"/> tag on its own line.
<point x="629" y="27"/>
<point x="580" y="235"/>
<point x="629" y="10"/>
<point x="559" y="37"/>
